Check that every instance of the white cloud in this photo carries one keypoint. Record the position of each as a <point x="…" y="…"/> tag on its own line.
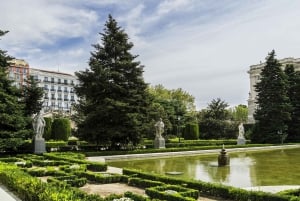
<point x="42" y="22"/>
<point x="167" y="6"/>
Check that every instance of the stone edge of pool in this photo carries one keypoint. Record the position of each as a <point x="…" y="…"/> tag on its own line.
<point x="183" y="153"/>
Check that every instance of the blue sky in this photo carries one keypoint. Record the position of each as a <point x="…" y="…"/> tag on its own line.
<point x="204" y="47"/>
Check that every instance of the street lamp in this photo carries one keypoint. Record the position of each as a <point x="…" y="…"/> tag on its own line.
<point x="178" y="128"/>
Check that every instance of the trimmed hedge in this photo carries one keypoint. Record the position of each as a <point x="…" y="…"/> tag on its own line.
<point x="61" y="129"/>
<point x="210" y="189"/>
<point x="71" y="180"/>
<point x="93" y="166"/>
<point x="143" y="183"/>
<point x="172" y="193"/>
<point x="102" y="178"/>
<point x="33" y="189"/>
<point x="191" y="131"/>
<point x="47" y="130"/>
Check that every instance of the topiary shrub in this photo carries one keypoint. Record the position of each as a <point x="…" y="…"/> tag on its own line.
<point x="61" y="129"/>
<point x="191" y="131"/>
<point x="47" y="130"/>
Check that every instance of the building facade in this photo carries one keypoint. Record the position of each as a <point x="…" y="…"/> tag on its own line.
<point x="254" y="74"/>
<point x="59" y="94"/>
<point x="18" y="72"/>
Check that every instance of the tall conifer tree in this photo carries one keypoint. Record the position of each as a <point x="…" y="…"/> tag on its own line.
<point x="294" y="95"/>
<point x="274" y="108"/>
<point x="12" y="119"/>
<point x="113" y="97"/>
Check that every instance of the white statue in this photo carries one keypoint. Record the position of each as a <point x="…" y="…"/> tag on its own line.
<point x="241" y="131"/>
<point x="38" y="125"/>
<point x="159" y="128"/>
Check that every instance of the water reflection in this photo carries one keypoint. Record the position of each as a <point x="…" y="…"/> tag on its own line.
<point x="277" y="167"/>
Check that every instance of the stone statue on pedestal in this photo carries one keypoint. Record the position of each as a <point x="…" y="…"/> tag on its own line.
<point x="38" y="125"/>
<point x="241" y="138"/>
<point x="159" y="141"/>
<point x="159" y="128"/>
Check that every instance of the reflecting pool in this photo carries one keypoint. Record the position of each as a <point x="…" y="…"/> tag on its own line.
<point x="246" y="169"/>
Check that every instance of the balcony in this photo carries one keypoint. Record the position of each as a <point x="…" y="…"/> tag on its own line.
<point x="46" y="97"/>
<point x="73" y="100"/>
<point x="59" y="90"/>
<point x="66" y="99"/>
<point x="46" y="89"/>
<point x="53" y="98"/>
<point x="52" y="89"/>
<point x="66" y="91"/>
<point x="46" y="80"/>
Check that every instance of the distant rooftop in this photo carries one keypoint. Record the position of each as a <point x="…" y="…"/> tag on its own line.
<point x="18" y="62"/>
<point x="47" y="71"/>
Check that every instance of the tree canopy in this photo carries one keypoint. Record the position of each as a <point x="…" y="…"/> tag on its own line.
<point x="113" y="98"/>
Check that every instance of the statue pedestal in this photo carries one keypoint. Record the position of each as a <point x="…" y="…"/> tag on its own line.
<point x="159" y="142"/>
<point x="241" y="141"/>
<point x="39" y="145"/>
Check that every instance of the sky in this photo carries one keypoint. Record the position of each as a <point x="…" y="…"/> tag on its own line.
<point x="204" y="47"/>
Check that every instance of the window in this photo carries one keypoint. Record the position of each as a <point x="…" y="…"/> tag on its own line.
<point x="53" y="103"/>
<point x="65" y="97"/>
<point x="52" y="96"/>
<point x="59" y="81"/>
<point x="45" y="79"/>
<point x="72" y="98"/>
<point x="52" y="79"/>
<point x="59" y="88"/>
<point x="65" y="81"/>
<point x="45" y="87"/>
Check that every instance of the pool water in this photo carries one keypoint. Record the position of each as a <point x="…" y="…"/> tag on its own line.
<point x="246" y="169"/>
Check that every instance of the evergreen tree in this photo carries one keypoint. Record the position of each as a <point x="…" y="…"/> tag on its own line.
<point x="113" y="97"/>
<point x="294" y="95"/>
<point x="274" y="108"/>
<point x="32" y="97"/>
<point x="12" y="119"/>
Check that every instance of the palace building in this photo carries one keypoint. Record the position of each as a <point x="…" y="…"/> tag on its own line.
<point x="58" y="87"/>
<point x="254" y="74"/>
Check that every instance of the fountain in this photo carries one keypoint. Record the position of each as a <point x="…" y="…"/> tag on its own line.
<point x="223" y="158"/>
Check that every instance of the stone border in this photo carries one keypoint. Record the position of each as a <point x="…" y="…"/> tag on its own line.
<point x="184" y="153"/>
